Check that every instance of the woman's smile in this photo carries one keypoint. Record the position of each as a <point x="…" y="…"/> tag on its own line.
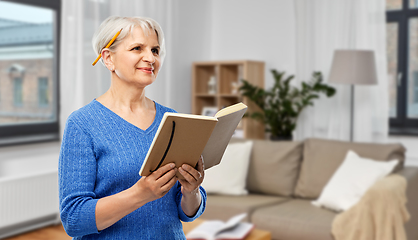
<point x="146" y="70"/>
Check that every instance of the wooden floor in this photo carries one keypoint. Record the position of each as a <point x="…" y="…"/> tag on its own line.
<point x="57" y="232"/>
<point x="48" y="233"/>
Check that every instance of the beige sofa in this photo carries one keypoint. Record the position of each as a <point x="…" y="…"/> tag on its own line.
<point x="284" y="177"/>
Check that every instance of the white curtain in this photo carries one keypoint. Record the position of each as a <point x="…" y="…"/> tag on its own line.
<point x="80" y="82"/>
<point x="321" y="27"/>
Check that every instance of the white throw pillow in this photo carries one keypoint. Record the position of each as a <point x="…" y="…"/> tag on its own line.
<point x="230" y="176"/>
<point x="351" y="180"/>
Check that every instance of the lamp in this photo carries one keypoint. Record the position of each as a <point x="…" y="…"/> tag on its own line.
<point x="354" y="67"/>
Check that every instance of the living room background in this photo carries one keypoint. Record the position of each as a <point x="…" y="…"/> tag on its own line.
<point x="195" y="31"/>
<point x="215" y="30"/>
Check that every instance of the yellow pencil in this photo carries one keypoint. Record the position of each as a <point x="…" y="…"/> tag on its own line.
<point x="108" y="45"/>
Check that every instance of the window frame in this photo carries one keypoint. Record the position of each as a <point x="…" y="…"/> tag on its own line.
<point x="39" y="132"/>
<point x="401" y="124"/>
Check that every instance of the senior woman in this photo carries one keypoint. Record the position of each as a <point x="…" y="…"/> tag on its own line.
<point x="105" y="142"/>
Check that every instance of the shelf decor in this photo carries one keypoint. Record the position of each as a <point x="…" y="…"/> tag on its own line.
<point x="212" y="85"/>
<point x="226" y="78"/>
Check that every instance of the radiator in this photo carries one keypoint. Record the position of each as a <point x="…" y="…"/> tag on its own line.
<point x="28" y="202"/>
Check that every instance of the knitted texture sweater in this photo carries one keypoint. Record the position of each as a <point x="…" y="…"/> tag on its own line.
<point x="101" y="155"/>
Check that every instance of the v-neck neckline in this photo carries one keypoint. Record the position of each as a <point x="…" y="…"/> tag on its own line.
<point x="150" y="128"/>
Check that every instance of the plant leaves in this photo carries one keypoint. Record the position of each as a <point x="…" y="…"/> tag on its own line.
<point x="282" y="104"/>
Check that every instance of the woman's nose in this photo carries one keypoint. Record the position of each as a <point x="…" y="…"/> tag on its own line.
<point x="149" y="57"/>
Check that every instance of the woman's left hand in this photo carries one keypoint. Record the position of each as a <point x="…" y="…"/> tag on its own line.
<point x="192" y="177"/>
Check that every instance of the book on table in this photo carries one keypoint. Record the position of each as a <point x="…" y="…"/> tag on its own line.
<point x="217" y="230"/>
<point x="183" y="138"/>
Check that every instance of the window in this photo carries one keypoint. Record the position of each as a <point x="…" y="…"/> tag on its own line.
<point x="402" y="50"/>
<point x="43" y="92"/>
<point x="17" y="92"/>
<point x="29" y="74"/>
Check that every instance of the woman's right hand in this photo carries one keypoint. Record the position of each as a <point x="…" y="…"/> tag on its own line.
<point x="112" y="208"/>
<point x="158" y="183"/>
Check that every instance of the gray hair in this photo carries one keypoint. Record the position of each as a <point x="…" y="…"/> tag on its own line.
<point x="111" y="25"/>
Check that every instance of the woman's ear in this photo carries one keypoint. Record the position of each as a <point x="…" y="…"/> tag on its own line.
<point x="107" y="59"/>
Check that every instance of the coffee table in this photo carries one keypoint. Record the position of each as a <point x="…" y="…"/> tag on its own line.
<point x="255" y="234"/>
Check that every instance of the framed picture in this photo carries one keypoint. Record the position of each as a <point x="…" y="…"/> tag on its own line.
<point x="209" y="111"/>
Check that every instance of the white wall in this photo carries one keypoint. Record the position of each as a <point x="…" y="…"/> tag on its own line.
<point x="256" y="30"/>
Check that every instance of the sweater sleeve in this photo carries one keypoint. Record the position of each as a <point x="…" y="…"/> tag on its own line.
<point x="77" y="176"/>
<point x="183" y="217"/>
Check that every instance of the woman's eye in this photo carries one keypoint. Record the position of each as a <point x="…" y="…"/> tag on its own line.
<point x="155" y="51"/>
<point x="136" y="48"/>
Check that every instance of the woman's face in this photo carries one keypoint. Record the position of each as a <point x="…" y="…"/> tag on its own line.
<point x="136" y="59"/>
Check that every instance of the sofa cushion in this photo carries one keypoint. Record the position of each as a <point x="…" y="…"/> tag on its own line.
<point x="222" y="207"/>
<point x="295" y="219"/>
<point x="221" y="180"/>
<point x="321" y="158"/>
<point x="351" y="181"/>
<point x="274" y="167"/>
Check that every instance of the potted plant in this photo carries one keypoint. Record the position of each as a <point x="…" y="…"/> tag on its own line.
<point x="281" y="105"/>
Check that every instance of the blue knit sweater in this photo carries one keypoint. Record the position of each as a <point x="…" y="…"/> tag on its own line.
<point x="101" y="155"/>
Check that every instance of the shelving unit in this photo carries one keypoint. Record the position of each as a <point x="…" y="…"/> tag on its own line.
<point x="228" y="75"/>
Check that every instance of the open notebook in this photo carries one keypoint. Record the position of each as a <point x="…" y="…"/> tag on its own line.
<point x="216" y="230"/>
<point x="182" y="138"/>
